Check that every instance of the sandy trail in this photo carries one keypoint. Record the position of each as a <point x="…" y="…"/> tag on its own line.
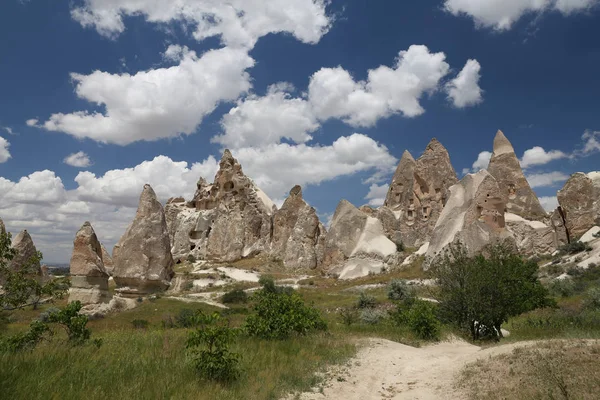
<point x="388" y="370"/>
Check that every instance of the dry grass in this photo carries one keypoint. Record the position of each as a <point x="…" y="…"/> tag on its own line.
<point x="550" y="370"/>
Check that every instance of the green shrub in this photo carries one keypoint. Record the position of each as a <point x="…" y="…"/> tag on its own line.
<point x="26" y="340"/>
<point x="188" y="285"/>
<point x="423" y="321"/>
<point x="372" y="316"/>
<point x="574" y="248"/>
<point x="75" y="324"/>
<point x="400" y="247"/>
<point x="592" y="300"/>
<point x="209" y="345"/>
<point x="399" y="290"/>
<point x="279" y="313"/>
<point x="562" y="287"/>
<point x="235" y="296"/>
<point x="188" y="318"/>
<point x="597" y="234"/>
<point x="348" y="315"/>
<point x="140" y="323"/>
<point x="43" y="317"/>
<point x="366" y="301"/>
<point x="191" y="259"/>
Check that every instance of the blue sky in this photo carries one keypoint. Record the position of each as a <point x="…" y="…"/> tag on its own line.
<point x="100" y="97"/>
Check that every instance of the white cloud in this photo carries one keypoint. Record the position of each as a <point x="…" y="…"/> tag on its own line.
<point x="237" y="22"/>
<point x="158" y="103"/>
<point x="538" y="156"/>
<point x="591" y="143"/>
<point x="550" y="203"/>
<point x="79" y="160"/>
<point x="377" y="194"/>
<point x="32" y="122"/>
<point x="4" y="153"/>
<point x="8" y="130"/>
<point x="334" y="93"/>
<point x="502" y="14"/>
<point x="37" y="188"/>
<point x="546" y="179"/>
<point x="464" y="90"/>
<point x="264" y="120"/>
<point x="482" y="162"/>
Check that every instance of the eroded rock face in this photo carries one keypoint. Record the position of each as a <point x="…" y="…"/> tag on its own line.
<point x="474" y="215"/>
<point x="109" y="266"/>
<point x="298" y="236"/>
<point x="142" y="258"/>
<point x="515" y="190"/>
<point x="580" y="202"/>
<point x="531" y="237"/>
<point x="558" y="224"/>
<point x="89" y="279"/>
<point x="23" y="244"/>
<point x="356" y="243"/>
<point x="418" y="193"/>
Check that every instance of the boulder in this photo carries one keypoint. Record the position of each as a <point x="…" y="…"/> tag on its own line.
<point x="515" y="190"/>
<point x="298" y="235"/>
<point x="26" y="251"/>
<point x="559" y="225"/>
<point x="418" y="193"/>
<point x="473" y="215"/>
<point x="109" y="266"/>
<point x="356" y="243"/>
<point x="532" y="237"/>
<point x="580" y="201"/>
<point x="89" y="279"/>
<point x="142" y="258"/>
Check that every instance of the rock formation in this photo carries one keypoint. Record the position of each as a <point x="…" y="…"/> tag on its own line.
<point x="356" y="243"/>
<point x="579" y="200"/>
<point x="227" y="220"/>
<point x="515" y="190"/>
<point x="26" y="251"/>
<point x="532" y="237"/>
<point x="418" y="193"/>
<point x="107" y="259"/>
<point x="473" y="215"/>
<point x="558" y="224"/>
<point x="298" y="235"/>
<point x="89" y="279"/>
<point x="142" y="258"/>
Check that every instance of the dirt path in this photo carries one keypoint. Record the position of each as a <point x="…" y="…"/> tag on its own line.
<point x="388" y="370"/>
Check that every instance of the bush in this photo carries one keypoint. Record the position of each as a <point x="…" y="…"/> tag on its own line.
<point x="191" y="259"/>
<point x="140" y="323"/>
<point x="399" y="290"/>
<point x="348" y="315"/>
<point x="235" y="297"/>
<point x="372" y="316"/>
<point x="73" y="322"/>
<point x="574" y="248"/>
<point x="279" y="313"/>
<point x="209" y="345"/>
<point x="26" y="340"/>
<point x="187" y="286"/>
<point x="366" y="301"/>
<point x="400" y="247"/>
<point x="423" y="321"/>
<point x="188" y="318"/>
<point x="44" y="316"/>
<point x="597" y="234"/>
<point x="592" y="300"/>
<point x="562" y="287"/>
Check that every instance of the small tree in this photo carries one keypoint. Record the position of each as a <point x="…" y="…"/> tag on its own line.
<point x="480" y="294"/>
<point x="72" y="322"/>
<point x="399" y="290"/>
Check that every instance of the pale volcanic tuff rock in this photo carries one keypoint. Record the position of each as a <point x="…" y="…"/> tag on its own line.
<point x="142" y="258"/>
<point x="473" y="215"/>
<point x="298" y="235"/>
<point x="356" y="243"/>
<point x="515" y="190"/>
<point x="107" y="260"/>
<point x="418" y="193"/>
<point x="26" y="251"/>
<point x="532" y="237"/>
<point x="89" y="279"/>
<point x="580" y="201"/>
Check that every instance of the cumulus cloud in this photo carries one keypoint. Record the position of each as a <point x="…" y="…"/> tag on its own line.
<point x="538" y="156"/>
<point x="546" y="179"/>
<point x="38" y="188"/>
<point x="4" y="153"/>
<point x="377" y="194"/>
<point x="591" y="143"/>
<point x="502" y="14"/>
<point x="32" y="122"/>
<point x="79" y="160"/>
<point x="464" y="90"/>
<point x="236" y="22"/>
<point x="264" y="120"/>
<point x="482" y="162"/>
<point x="550" y="203"/>
<point x="158" y="103"/>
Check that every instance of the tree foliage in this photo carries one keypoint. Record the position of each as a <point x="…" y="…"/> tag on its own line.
<point x="480" y="293"/>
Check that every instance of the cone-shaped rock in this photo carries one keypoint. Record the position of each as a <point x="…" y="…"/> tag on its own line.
<point x="580" y="202"/>
<point x="142" y="258"/>
<point x="26" y="253"/>
<point x="107" y="259"/>
<point x="298" y="236"/>
<point x="516" y="192"/>
<point x="473" y="215"/>
<point x="89" y="280"/>
<point x="419" y="191"/>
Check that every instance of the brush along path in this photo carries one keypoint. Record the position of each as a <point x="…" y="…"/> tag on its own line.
<point x="389" y="370"/>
